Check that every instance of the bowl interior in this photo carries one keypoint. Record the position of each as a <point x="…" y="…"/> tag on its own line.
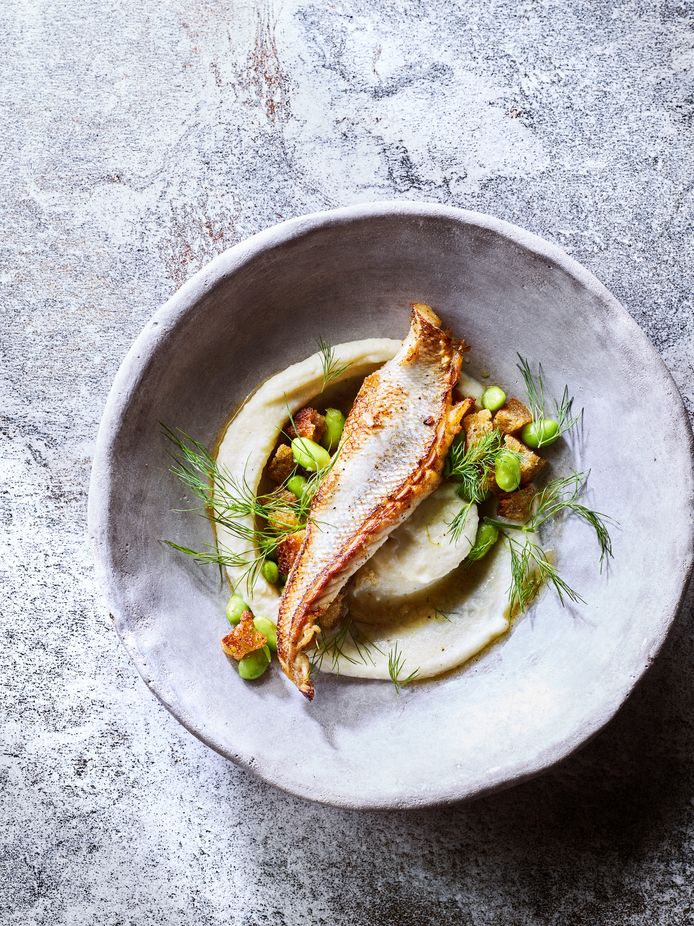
<point x="561" y="672"/>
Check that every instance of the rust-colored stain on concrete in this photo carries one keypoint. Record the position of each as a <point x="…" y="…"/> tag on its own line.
<point x="267" y="76"/>
<point x="194" y="239"/>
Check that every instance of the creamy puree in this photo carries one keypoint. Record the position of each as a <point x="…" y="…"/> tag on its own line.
<point x="413" y="594"/>
<point x="419" y="553"/>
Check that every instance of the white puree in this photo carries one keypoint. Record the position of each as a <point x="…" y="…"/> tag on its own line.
<point x="413" y="592"/>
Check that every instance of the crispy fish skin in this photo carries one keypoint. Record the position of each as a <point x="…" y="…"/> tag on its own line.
<point x="391" y="456"/>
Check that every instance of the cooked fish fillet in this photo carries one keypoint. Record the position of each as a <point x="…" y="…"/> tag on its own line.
<point x="391" y="455"/>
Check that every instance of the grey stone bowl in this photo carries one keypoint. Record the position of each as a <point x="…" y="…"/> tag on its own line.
<point x="561" y="673"/>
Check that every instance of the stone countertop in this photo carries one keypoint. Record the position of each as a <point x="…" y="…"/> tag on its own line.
<point x="138" y="141"/>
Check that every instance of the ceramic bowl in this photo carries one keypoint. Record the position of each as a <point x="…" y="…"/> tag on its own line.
<point x="561" y="673"/>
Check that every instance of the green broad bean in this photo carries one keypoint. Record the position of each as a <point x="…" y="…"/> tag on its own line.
<point x="271" y="572"/>
<point x="507" y="471"/>
<point x="493" y="398"/>
<point x="269" y="630"/>
<point x="540" y="433"/>
<point x="254" y="664"/>
<point x="334" y="423"/>
<point x="487" y="535"/>
<point x="297" y="486"/>
<point x="309" y="455"/>
<point x="235" y="608"/>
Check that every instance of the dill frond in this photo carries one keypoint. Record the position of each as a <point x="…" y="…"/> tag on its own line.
<point x="333" y="647"/>
<point x="332" y="367"/>
<point x="534" y="387"/>
<point x="230" y="502"/>
<point x="530" y="567"/>
<point x="472" y="467"/>
<point x="396" y="666"/>
<point x="561" y="496"/>
<point x="564" y="412"/>
<point x="530" y="570"/>
<point x="457" y="525"/>
<point x="535" y="390"/>
<point x="216" y="555"/>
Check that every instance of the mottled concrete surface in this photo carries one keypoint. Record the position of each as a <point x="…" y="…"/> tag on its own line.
<point x="140" y="139"/>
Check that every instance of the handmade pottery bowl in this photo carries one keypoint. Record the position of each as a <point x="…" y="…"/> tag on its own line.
<point x="561" y="673"/>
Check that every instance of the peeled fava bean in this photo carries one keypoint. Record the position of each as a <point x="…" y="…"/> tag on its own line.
<point x="235" y="608"/>
<point x="540" y="433"/>
<point x="334" y="424"/>
<point x="487" y="536"/>
<point x="269" y="631"/>
<point x="507" y="471"/>
<point x="254" y="664"/>
<point x="493" y="398"/>
<point x="309" y="455"/>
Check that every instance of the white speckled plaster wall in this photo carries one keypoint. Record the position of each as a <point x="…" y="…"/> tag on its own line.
<point x="140" y="139"/>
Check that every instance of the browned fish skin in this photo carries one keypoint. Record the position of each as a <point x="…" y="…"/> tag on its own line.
<point x="392" y="452"/>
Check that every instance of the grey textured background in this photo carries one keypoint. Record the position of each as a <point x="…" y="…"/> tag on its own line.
<point x="140" y="139"/>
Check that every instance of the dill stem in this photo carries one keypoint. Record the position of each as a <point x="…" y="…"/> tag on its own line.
<point x="509" y="525"/>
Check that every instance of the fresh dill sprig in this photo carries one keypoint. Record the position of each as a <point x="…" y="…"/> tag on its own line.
<point x="332" y="367"/>
<point x="559" y="497"/>
<point x="396" y="666"/>
<point x="232" y="503"/>
<point x="214" y="556"/>
<point x="457" y="525"/>
<point x="472" y="468"/>
<point x="333" y="647"/>
<point x="564" y="411"/>
<point x="534" y="388"/>
<point x="537" y="403"/>
<point x="530" y="566"/>
<point x="530" y="570"/>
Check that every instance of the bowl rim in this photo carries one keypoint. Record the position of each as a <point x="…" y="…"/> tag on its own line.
<point x="134" y="366"/>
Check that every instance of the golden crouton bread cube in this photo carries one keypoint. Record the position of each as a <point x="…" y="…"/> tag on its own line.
<point x="281" y="465"/>
<point x="284" y="515"/>
<point x="308" y="422"/>
<point x="530" y="463"/>
<point x="512" y="417"/>
<point x="516" y="506"/>
<point x="245" y="638"/>
<point x="475" y="425"/>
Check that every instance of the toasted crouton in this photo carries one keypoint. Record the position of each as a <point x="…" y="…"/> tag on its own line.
<point x="530" y="462"/>
<point x="516" y="506"/>
<point x="512" y="417"/>
<point x="245" y="638"/>
<point x="288" y="550"/>
<point x="308" y="422"/>
<point x="281" y="465"/>
<point x="283" y="514"/>
<point x="475" y="425"/>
